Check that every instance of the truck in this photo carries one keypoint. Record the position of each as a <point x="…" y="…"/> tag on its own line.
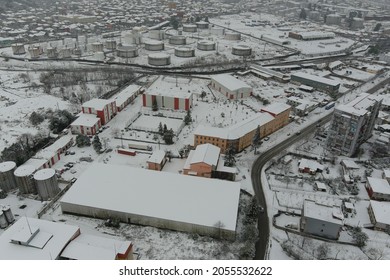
<point x="330" y="105"/>
<point x="140" y="146"/>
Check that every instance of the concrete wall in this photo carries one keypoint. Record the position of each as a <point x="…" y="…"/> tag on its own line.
<point x="146" y="221"/>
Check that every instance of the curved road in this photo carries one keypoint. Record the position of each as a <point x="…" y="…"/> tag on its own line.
<point x="258" y="165"/>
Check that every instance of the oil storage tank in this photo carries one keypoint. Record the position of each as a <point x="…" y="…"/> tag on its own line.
<point x="242" y="50"/>
<point x="156" y="34"/>
<point x="97" y="47"/>
<point x="18" y="49"/>
<point x="232" y="36"/>
<point x="3" y="220"/>
<point x="111" y="44"/>
<point x="178" y="40"/>
<point x="7" y="177"/>
<point x="65" y="52"/>
<point x="206" y="45"/>
<point x="190" y="28"/>
<point x="184" y="52"/>
<point x="159" y="59"/>
<point x="8" y="214"/>
<point x="24" y="179"/>
<point x="127" y="51"/>
<point x="202" y="25"/>
<point x="52" y="52"/>
<point x="47" y="184"/>
<point x="34" y="52"/>
<point x="154" y="45"/>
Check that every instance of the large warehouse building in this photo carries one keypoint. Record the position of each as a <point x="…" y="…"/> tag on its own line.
<point x="159" y="199"/>
<point x="169" y="93"/>
<point x="231" y="87"/>
<point x="317" y="82"/>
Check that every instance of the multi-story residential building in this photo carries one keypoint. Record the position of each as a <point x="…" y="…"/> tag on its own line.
<point x="352" y="124"/>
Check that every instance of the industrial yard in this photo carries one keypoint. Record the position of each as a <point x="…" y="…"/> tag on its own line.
<point x="149" y="131"/>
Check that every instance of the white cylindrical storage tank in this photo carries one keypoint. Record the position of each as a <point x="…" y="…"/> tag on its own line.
<point x="190" y="28"/>
<point x="206" y="45"/>
<point x="18" y="49"/>
<point x="184" y="52"/>
<point x="24" y="179"/>
<point x="159" y="59"/>
<point x="3" y="220"/>
<point x="8" y="214"/>
<point x="156" y="34"/>
<point x="47" y="184"/>
<point x="217" y="31"/>
<point x="7" y="177"/>
<point x="232" y="36"/>
<point x="153" y="45"/>
<point x="111" y="44"/>
<point x="202" y="25"/>
<point x="178" y="40"/>
<point x="242" y="50"/>
<point x="51" y="52"/>
<point x="97" y="47"/>
<point x="127" y="51"/>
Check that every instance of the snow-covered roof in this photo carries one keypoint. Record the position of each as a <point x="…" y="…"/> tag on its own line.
<point x="47" y="243"/>
<point x="174" y="87"/>
<point x="379" y="185"/>
<point x="236" y="131"/>
<point x="381" y="211"/>
<point x="335" y="64"/>
<point x="159" y="195"/>
<point x="44" y="174"/>
<point x="125" y="94"/>
<point x="7" y="166"/>
<point x="97" y="103"/>
<point x="350" y="164"/>
<point x="24" y="170"/>
<point x="317" y="211"/>
<point x="36" y="162"/>
<point x="230" y="82"/>
<point x="87" y="120"/>
<point x="316" y="78"/>
<point x="316" y="35"/>
<point x="311" y="164"/>
<point x="157" y="156"/>
<point x="276" y="108"/>
<point x="90" y="247"/>
<point x="206" y="153"/>
<point x="320" y="185"/>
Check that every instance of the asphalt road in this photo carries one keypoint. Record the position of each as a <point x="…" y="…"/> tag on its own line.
<point x="258" y="165"/>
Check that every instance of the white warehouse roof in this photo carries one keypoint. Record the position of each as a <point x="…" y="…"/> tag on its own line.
<point x="230" y="82"/>
<point x="87" y="120"/>
<point x="47" y="243"/>
<point x="379" y="185"/>
<point x="381" y="211"/>
<point x="97" y="103"/>
<point x="160" y="195"/>
<point x="316" y="78"/>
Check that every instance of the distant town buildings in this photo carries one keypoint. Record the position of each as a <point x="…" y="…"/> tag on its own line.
<point x="352" y="124"/>
<point x="379" y="213"/>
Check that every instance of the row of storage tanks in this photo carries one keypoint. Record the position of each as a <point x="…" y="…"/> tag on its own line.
<point x="29" y="180"/>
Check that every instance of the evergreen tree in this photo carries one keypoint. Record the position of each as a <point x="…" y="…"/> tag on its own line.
<point x="97" y="145"/>
<point x="302" y="15"/>
<point x="165" y="128"/>
<point x="160" y="129"/>
<point x="36" y="118"/>
<point x="82" y="141"/>
<point x="256" y="141"/>
<point x="154" y="105"/>
<point x="188" y="118"/>
<point x="168" y="136"/>
<point x="378" y="26"/>
<point x="203" y="94"/>
<point x="230" y="154"/>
